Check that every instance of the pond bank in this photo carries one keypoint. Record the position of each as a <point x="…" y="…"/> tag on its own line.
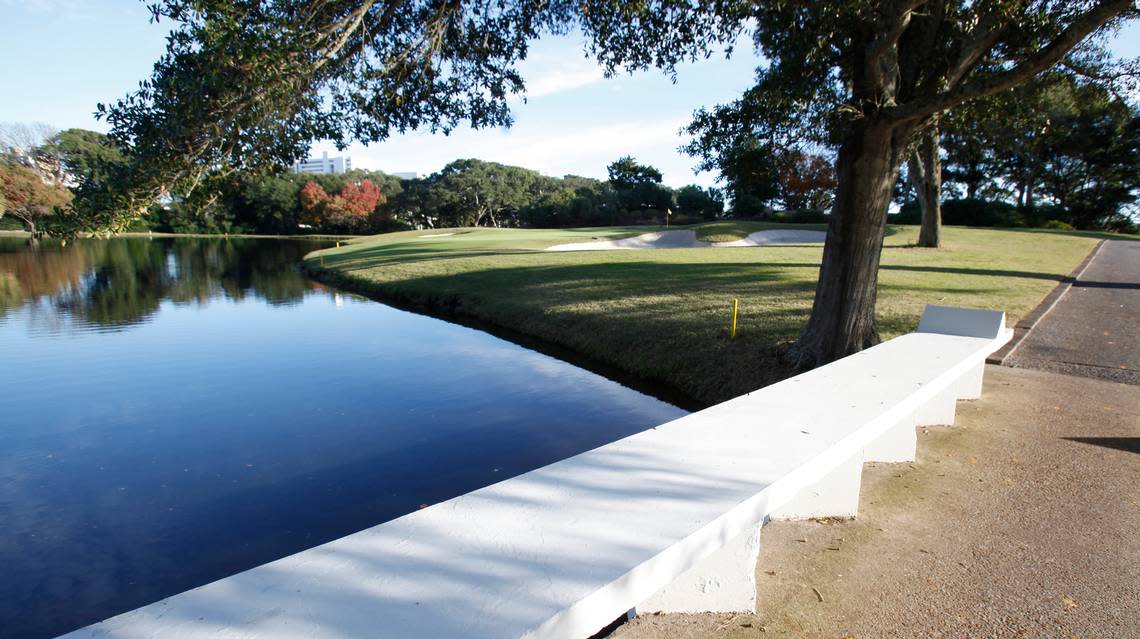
<point x="665" y="316"/>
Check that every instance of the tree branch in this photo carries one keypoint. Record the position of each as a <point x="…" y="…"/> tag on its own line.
<point x="347" y="26"/>
<point x="1047" y="57"/>
<point x="876" y="66"/>
<point x="982" y="39"/>
<point x="1100" y="74"/>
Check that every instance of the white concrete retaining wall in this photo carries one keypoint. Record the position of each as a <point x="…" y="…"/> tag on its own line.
<point x="667" y="519"/>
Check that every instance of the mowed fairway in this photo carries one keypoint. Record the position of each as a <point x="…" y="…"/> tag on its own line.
<point x="664" y="315"/>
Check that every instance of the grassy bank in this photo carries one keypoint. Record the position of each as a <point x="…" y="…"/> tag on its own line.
<point x="663" y="315"/>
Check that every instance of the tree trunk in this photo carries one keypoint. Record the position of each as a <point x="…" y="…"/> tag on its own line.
<point x="28" y="220"/>
<point x="924" y="168"/>
<point x="34" y="238"/>
<point x="1029" y="184"/>
<point x="843" y="315"/>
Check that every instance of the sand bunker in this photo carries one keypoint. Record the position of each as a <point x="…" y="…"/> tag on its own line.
<point x="688" y="239"/>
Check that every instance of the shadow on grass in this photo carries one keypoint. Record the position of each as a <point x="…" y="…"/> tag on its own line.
<point x="659" y="327"/>
<point x="951" y="270"/>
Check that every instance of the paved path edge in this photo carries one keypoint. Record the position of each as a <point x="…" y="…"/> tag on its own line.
<point x="1026" y="325"/>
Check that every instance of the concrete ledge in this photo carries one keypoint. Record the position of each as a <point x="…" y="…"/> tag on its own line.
<point x="659" y="520"/>
<point x="968" y="322"/>
<point x="836" y="494"/>
<point x="898" y="444"/>
<point x="725" y="581"/>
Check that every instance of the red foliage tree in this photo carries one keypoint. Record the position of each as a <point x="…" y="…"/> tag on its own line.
<point x="346" y="211"/>
<point x="361" y="199"/>
<point x="26" y="195"/>
<point x="807" y="181"/>
<point x="313" y="198"/>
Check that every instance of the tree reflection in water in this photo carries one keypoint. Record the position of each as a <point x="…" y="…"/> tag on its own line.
<point x="117" y="283"/>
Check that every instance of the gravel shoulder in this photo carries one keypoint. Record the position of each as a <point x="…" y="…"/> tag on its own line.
<point x="1018" y="521"/>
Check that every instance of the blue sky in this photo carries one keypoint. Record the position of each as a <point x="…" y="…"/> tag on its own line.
<point x="62" y="57"/>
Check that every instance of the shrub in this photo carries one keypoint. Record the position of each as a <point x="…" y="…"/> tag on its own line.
<point x="1039" y="215"/>
<point x="802" y="216"/>
<point x="965" y="212"/>
<point x="977" y="212"/>
<point x="1121" y="223"/>
<point x="909" y="213"/>
<point x="1057" y="225"/>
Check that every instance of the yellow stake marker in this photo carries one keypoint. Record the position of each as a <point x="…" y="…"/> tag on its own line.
<point x="735" y="308"/>
<point x="338" y="244"/>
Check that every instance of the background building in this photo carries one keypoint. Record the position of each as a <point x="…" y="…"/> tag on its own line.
<point x="323" y="164"/>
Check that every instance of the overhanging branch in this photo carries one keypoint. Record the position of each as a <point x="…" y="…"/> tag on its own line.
<point x="1047" y="57"/>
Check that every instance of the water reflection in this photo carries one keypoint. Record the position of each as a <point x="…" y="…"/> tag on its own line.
<point x="178" y="410"/>
<point x="122" y="282"/>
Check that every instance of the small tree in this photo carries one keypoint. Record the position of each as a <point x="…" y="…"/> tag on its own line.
<point x="86" y="156"/>
<point x="312" y="198"/>
<point x="750" y="174"/>
<point x="706" y="204"/>
<point x="626" y="173"/>
<point x="473" y="192"/>
<point x="28" y="197"/>
<point x="805" y="180"/>
<point x="348" y="210"/>
<point x="20" y="138"/>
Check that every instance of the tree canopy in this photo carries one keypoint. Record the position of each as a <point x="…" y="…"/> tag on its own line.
<point x="87" y="156"/>
<point x="27" y="196"/>
<point x="625" y="173"/>
<point x="1056" y="142"/>
<point x="246" y="84"/>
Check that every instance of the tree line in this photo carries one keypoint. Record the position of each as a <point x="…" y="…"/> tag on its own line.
<point x="66" y="173"/>
<point x="1053" y="152"/>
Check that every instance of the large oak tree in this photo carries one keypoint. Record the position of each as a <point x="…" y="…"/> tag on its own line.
<point x="866" y="78"/>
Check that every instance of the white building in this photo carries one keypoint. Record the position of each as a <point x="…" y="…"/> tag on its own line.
<point x="407" y="175"/>
<point x="323" y="164"/>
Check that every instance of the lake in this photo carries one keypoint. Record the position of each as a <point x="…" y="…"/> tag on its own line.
<point x="178" y="410"/>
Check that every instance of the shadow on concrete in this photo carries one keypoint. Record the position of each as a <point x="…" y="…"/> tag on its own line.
<point x="1128" y="286"/>
<point x="1126" y="444"/>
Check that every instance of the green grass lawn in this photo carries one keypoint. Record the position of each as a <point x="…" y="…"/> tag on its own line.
<point x="663" y="315"/>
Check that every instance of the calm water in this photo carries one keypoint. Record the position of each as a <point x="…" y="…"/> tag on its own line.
<point x="175" y="411"/>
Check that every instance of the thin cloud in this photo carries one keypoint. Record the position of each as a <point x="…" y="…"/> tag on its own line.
<point x="582" y="151"/>
<point x="562" y="78"/>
